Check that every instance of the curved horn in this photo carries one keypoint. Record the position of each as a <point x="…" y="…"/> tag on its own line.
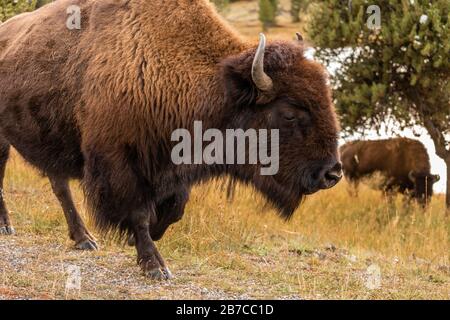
<point x="411" y="176"/>
<point x="262" y="81"/>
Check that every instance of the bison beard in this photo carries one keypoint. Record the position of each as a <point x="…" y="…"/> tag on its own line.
<point x="99" y="105"/>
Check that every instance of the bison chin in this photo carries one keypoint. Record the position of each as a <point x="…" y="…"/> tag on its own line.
<point x="286" y="194"/>
<point x="285" y="199"/>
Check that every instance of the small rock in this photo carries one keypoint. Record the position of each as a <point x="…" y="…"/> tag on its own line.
<point x="204" y="291"/>
<point x="330" y="247"/>
<point x="320" y="255"/>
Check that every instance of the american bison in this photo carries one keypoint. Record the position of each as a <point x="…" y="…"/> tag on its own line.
<point x="404" y="164"/>
<point x="99" y="104"/>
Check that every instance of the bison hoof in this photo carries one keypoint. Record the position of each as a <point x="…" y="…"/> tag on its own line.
<point x="159" y="274"/>
<point x="167" y="273"/>
<point x="88" y="245"/>
<point x="7" y="231"/>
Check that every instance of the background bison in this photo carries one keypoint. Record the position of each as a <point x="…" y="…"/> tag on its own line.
<point x="404" y="163"/>
<point x="99" y="104"/>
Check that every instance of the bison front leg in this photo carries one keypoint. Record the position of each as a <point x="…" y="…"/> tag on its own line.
<point x="168" y="212"/>
<point x="149" y="259"/>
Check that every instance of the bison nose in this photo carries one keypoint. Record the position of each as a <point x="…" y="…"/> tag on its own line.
<point x="330" y="176"/>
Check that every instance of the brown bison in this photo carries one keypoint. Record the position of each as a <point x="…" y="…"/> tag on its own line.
<point x="99" y="104"/>
<point x="404" y="163"/>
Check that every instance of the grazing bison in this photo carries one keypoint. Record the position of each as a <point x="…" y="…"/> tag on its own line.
<point x="99" y="104"/>
<point x="403" y="162"/>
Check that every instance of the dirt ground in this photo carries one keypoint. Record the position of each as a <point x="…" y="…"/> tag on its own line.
<point x="39" y="268"/>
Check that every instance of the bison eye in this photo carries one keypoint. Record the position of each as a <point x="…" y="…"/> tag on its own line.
<point x="289" y="117"/>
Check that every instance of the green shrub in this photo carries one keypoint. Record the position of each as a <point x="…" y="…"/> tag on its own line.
<point x="268" y="10"/>
<point x="10" y="8"/>
<point x="296" y="7"/>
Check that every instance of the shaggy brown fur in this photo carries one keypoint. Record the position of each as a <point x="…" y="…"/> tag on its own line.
<point x="403" y="162"/>
<point x="99" y="104"/>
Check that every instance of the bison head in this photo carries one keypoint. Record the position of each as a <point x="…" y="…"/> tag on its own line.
<point x="276" y="87"/>
<point x="423" y="185"/>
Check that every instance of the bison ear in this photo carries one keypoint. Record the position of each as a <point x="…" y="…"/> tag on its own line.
<point x="237" y="80"/>
<point x="246" y="82"/>
<point x="435" y="178"/>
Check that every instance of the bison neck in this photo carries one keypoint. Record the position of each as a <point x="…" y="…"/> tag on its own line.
<point x="156" y="64"/>
<point x="192" y="27"/>
<point x="156" y="61"/>
<point x="181" y="58"/>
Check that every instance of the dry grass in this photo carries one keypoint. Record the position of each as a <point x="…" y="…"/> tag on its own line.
<point x="235" y="250"/>
<point x="223" y="250"/>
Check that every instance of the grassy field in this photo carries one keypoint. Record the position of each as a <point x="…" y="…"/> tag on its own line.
<point x="235" y="250"/>
<point x="223" y="250"/>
